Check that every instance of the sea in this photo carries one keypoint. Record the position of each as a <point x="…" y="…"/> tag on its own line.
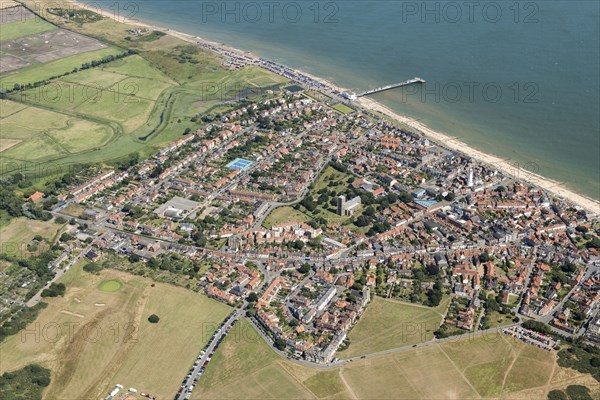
<point x="517" y="79"/>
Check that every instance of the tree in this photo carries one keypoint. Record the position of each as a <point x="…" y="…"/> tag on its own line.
<point x="450" y="196"/>
<point x="434" y="297"/>
<point x="304" y="268"/>
<point x="537" y="326"/>
<point x="433" y="269"/>
<point x="406" y="197"/>
<point x="65" y="237"/>
<point x="54" y="290"/>
<point x="578" y="392"/>
<point x="492" y="305"/>
<point x="392" y="197"/>
<point x="594" y="243"/>
<point x="557" y="395"/>
<point x="308" y="203"/>
<point x="280" y="344"/>
<point x="369" y="211"/>
<point x="60" y="220"/>
<point x="569" y="268"/>
<point x="252" y="297"/>
<point x="362" y="220"/>
<point x="153" y="319"/>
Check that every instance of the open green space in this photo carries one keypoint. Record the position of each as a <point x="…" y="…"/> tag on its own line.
<point x="344" y="109"/>
<point x="17" y="234"/>
<point x="490" y="366"/>
<point x="284" y="214"/>
<point x="8" y="107"/>
<point x="126" y="348"/>
<point x="136" y="66"/>
<point x="495" y="319"/>
<point x="27" y="27"/>
<point x="387" y="324"/>
<point x="42" y="134"/>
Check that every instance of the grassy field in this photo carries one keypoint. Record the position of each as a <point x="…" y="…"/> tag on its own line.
<point x="481" y="367"/>
<point x="332" y="179"/>
<point x="39" y="134"/>
<point x="40" y="72"/>
<point x="387" y="324"/>
<point x="111" y="340"/>
<point x="284" y="214"/>
<point x="111" y="285"/>
<point x="20" y="231"/>
<point x="245" y="357"/>
<point x="6" y="144"/>
<point x="344" y="109"/>
<point x="494" y="319"/>
<point x="27" y="27"/>
<point x="8" y="108"/>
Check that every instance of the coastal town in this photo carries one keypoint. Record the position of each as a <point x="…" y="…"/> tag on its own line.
<point x="363" y="208"/>
<point x="294" y="210"/>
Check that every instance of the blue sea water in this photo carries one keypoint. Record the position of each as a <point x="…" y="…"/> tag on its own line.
<point x="518" y="79"/>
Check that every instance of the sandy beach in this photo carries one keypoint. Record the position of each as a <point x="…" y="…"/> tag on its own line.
<point x="555" y="188"/>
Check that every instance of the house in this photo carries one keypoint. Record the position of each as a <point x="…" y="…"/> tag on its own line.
<point x="37" y="196"/>
<point x="92" y="255"/>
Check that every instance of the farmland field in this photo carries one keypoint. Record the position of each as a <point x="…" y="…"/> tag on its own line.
<point x="387" y="324"/>
<point x="123" y="347"/>
<point x="28" y="27"/>
<point x="8" y="4"/>
<point x="40" y="72"/>
<point x="43" y="134"/>
<point x="9" y="107"/>
<point x="244" y="367"/>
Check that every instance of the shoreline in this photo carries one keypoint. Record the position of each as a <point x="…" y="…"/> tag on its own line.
<point x="558" y="189"/>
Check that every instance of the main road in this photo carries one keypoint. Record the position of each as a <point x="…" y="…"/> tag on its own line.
<point x="204" y="359"/>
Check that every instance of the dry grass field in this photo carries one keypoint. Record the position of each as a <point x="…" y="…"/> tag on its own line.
<point x="387" y="324"/>
<point x="94" y="338"/>
<point x="20" y="231"/>
<point x="469" y="368"/>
